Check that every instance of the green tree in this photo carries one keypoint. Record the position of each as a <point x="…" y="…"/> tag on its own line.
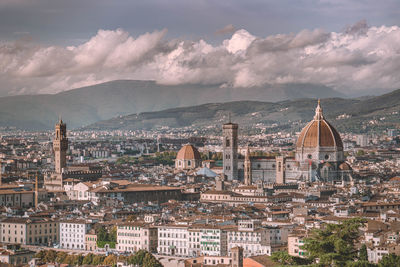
<point x="363" y="254"/>
<point x="98" y="259"/>
<point x="102" y="234"/>
<point x="78" y="260"/>
<point x="69" y="259"/>
<point x="150" y="261"/>
<point x="113" y="234"/>
<point x="41" y="254"/>
<point x="282" y="257"/>
<point x="61" y="256"/>
<point x="360" y="153"/>
<point x="335" y="244"/>
<point x="389" y="260"/>
<point x="360" y="264"/>
<point x="51" y="256"/>
<point x="88" y="259"/>
<point x="110" y="260"/>
<point x="138" y="257"/>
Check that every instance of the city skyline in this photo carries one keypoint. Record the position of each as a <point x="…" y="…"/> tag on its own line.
<point x="199" y="133"/>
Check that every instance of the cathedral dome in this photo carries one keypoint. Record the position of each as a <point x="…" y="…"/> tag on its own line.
<point x="188" y="152"/>
<point x="319" y="133"/>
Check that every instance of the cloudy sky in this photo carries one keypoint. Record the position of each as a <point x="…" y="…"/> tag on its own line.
<point x="48" y="46"/>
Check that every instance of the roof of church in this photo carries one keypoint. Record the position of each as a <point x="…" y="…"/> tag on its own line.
<point x="319" y="133"/>
<point x="188" y="152"/>
<point x="344" y="166"/>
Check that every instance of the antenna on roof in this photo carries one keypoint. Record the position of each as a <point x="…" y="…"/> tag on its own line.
<point x="229" y="117"/>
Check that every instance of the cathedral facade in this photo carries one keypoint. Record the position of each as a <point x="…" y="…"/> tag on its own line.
<point x="319" y="156"/>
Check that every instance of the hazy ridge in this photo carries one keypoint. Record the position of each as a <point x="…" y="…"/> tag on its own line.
<point x="87" y="105"/>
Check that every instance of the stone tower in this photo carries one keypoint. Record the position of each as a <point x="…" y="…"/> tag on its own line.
<point x="230" y="150"/>
<point x="280" y="170"/>
<point x="60" y="146"/>
<point x="237" y="256"/>
<point x="248" y="179"/>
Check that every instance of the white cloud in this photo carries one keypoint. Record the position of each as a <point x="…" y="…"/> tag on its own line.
<point x="359" y="58"/>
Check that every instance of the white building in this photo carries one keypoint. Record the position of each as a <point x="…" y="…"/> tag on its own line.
<point x="213" y="241"/>
<point x="254" y="239"/>
<point x="173" y="240"/>
<point x="194" y="242"/>
<point x="134" y="236"/>
<point x="72" y="234"/>
<point x="79" y="191"/>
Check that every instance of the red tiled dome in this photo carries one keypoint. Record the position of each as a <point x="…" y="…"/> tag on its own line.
<point x="319" y="132"/>
<point x="188" y="152"/>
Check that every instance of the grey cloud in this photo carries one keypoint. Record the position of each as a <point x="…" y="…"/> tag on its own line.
<point x="341" y="60"/>
<point x="226" y="30"/>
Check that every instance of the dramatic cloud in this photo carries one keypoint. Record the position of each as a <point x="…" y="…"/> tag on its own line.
<point x="359" y="59"/>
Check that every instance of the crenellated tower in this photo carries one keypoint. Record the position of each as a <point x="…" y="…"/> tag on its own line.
<point x="60" y="146"/>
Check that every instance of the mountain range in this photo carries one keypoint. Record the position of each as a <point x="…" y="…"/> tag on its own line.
<point x="355" y="115"/>
<point x="87" y="105"/>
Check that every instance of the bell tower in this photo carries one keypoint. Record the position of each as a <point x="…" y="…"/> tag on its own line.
<point x="230" y="150"/>
<point x="60" y="146"/>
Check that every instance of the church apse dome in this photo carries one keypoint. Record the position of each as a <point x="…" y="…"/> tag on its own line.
<point x="188" y="157"/>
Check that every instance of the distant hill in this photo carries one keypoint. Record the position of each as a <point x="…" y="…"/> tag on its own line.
<point x="87" y="105"/>
<point x="357" y="115"/>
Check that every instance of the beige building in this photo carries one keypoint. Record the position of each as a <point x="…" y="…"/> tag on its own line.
<point x="91" y="240"/>
<point x="134" y="236"/>
<point x="295" y="242"/>
<point x="29" y="231"/>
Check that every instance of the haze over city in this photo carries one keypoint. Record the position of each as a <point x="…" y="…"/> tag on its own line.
<point x="199" y="133"/>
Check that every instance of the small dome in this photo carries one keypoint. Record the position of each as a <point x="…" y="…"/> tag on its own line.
<point x="188" y="152"/>
<point x="319" y="133"/>
<point x="344" y="167"/>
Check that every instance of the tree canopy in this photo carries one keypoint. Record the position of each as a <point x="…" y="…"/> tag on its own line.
<point x="334" y="245"/>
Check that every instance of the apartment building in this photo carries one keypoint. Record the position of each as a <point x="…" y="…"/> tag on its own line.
<point x="134" y="236"/>
<point x="213" y="241"/>
<point x="91" y="240"/>
<point x="295" y="242"/>
<point x="29" y="231"/>
<point x="73" y="232"/>
<point x="173" y="240"/>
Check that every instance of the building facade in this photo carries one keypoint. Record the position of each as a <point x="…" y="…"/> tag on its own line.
<point x="73" y="233"/>
<point x="30" y="231"/>
<point x="173" y="240"/>
<point x="133" y="236"/>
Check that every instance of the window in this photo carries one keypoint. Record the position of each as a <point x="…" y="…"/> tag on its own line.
<point x="227" y="142"/>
